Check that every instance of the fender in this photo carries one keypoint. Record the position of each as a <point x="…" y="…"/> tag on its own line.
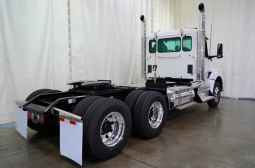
<point x="213" y="75"/>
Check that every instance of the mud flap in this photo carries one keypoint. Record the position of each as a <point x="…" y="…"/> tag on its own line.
<point x="21" y="120"/>
<point x="71" y="134"/>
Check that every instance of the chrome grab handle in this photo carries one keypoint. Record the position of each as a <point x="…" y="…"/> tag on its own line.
<point x="66" y="114"/>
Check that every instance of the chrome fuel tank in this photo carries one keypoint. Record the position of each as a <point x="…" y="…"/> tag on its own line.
<point x="179" y="95"/>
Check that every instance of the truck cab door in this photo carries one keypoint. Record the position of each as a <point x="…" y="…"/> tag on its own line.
<point x="175" y="56"/>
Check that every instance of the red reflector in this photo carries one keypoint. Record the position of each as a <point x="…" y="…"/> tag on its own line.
<point x="61" y="119"/>
<point x="42" y="118"/>
<point x="72" y="122"/>
<point x="28" y="114"/>
<point x="20" y="106"/>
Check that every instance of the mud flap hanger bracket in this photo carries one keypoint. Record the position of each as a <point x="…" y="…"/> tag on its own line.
<point x="20" y="103"/>
<point x="66" y="114"/>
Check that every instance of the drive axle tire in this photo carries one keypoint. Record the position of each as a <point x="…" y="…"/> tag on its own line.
<point x="35" y="93"/>
<point x="150" y="114"/>
<point x="81" y="108"/>
<point x="216" y="93"/>
<point x="106" y="128"/>
<point x="42" y="128"/>
<point x="40" y="91"/>
<point x="130" y="101"/>
<point x="132" y="98"/>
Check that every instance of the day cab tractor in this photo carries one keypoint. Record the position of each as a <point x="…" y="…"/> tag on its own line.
<point x="178" y="73"/>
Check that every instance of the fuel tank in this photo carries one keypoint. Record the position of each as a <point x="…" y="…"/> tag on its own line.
<point x="179" y="95"/>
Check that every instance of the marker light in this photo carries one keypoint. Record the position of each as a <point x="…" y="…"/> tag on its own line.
<point x="42" y="119"/>
<point x="72" y="122"/>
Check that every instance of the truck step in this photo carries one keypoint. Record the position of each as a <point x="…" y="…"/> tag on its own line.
<point x="205" y="99"/>
<point x="185" y="105"/>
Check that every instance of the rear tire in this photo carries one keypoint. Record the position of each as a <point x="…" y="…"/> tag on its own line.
<point x="130" y="101"/>
<point x="35" y="93"/>
<point x="150" y="114"/>
<point x="81" y="108"/>
<point x="132" y="98"/>
<point x="106" y="128"/>
<point x="42" y="128"/>
<point x="217" y="94"/>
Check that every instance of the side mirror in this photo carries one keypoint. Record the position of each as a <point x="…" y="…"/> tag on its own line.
<point x="220" y="50"/>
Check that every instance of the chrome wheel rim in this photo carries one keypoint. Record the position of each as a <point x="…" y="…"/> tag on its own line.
<point x="216" y="94"/>
<point x="112" y="129"/>
<point x="155" y="115"/>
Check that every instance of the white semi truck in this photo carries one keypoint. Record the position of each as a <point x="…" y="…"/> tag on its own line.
<point x="178" y="73"/>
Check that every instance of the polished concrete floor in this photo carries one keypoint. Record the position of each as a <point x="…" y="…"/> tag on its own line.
<point x="194" y="137"/>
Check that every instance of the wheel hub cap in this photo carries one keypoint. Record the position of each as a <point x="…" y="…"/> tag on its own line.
<point x="216" y="94"/>
<point x="112" y="129"/>
<point x="107" y="127"/>
<point x="155" y="115"/>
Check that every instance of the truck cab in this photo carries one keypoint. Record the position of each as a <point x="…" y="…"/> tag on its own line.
<point x="175" y="53"/>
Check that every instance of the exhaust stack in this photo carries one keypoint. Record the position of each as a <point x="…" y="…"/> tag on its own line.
<point x="143" y="47"/>
<point x="201" y="44"/>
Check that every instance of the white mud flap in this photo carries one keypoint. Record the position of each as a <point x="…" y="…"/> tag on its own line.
<point x="21" y="119"/>
<point x="71" y="135"/>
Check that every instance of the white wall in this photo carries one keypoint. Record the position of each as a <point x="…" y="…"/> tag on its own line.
<point x="34" y="45"/>
<point x="32" y="50"/>
<point x="106" y="42"/>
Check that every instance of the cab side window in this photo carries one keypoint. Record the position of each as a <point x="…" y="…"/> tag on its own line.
<point x="152" y="46"/>
<point x="187" y="43"/>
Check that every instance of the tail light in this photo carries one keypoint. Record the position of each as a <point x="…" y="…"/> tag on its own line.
<point x="38" y="117"/>
<point x="42" y="118"/>
<point x="28" y="114"/>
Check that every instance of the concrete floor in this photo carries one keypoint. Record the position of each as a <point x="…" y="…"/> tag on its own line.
<point x="194" y="137"/>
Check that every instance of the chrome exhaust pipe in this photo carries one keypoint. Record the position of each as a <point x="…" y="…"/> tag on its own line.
<point x="143" y="48"/>
<point x="201" y="44"/>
